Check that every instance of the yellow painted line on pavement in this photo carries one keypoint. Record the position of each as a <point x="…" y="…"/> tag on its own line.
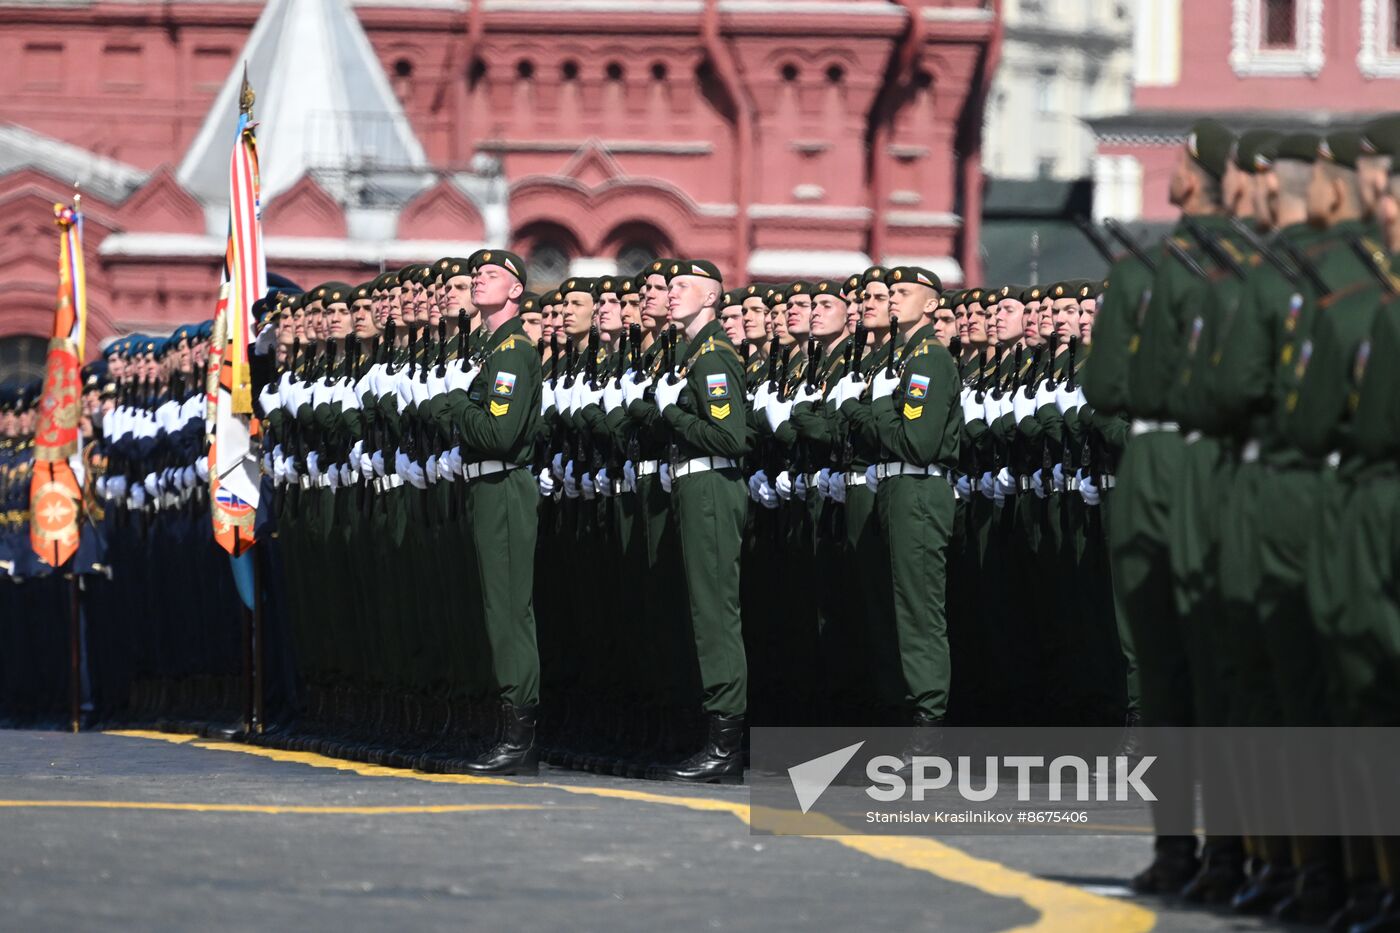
<point x="1062" y="908"/>
<point x="268" y="808"/>
<point x="147" y="734"/>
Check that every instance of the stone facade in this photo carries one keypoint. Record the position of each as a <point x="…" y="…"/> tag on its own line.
<point x="780" y="138"/>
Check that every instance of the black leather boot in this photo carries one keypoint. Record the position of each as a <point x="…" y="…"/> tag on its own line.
<point x="925" y="739"/>
<point x="1318" y="893"/>
<point x="1173" y="864"/>
<point x="1221" y="876"/>
<point x="719" y="762"/>
<point x="514" y="752"/>
<point x="1269" y="885"/>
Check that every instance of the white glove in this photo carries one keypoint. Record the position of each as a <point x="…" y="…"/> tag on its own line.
<point x="809" y="393"/>
<point x="347" y="474"/>
<point x="586" y="396"/>
<point x="313" y="465"/>
<point x="1005" y="484"/>
<point x="668" y="391"/>
<point x="454" y="461"/>
<point x="777" y="412"/>
<point x="838" y="487"/>
<point x="799" y="488"/>
<point x="460" y="379"/>
<point x="366" y="462"/>
<point x="201" y="469"/>
<point x="603" y="483"/>
<point x="430" y="468"/>
<point x="570" y="483"/>
<point x="288" y="472"/>
<point x="556" y="466"/>
<point x="116" y="485"/>
<point x="1038" y="484"/>
<point x="1087" y="490"/>
<point x="872" y="480"/>
<point x="632" y="391"/>
<point x="268" y="464"/>
<point x="1057" y="476"/>
<point x="784" y="485"/>
<point x="629" y="476"/>
<point x="761" y="395"/>
<point x="546" y="482"/>
<point x="612" y="394"/>
<point x="546" y="398"/>
<point x="564" y="397"/>
<point x="753" y="485"/>
<point x="376" y="462"/>
<point x="138" y="497"/>
<point x="986" y="485"/>
<point x="1045" y="395"/>
<point x="1021" y="406"/>
<point x="884" y="384"/>
<point x="763" y="490"/>
<point x="665" y="474"/>
<point x="101" y="486"/>
<point x="851" y="386"/>
<point x="824" y="483"/>
<point x="972" y="409"/>
<point x="964" y="486"/>
<point x="586" y="484"/>
<point x="152" y="484"/>
<point x="413" y="473"/>
<point x="1068" y="399"/>
<point x="333" y="476"/>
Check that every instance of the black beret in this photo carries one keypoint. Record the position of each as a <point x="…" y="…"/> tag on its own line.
<point x="735" y="296"/>
<point x="1248" y="147"/>
<point x="829" y="287"/>
<point x="851" y="287"/>
<point x="1300" y="147"/>
<point x="874" y="274"/>
<point x="698" y="267"/>
<point x="1382" y="136"/>
<point x="916" y="274"/>
<point x="1209" y="144"/>
<point x="659" y="267"/>
<point x="529" y="302"/>
<point x="503" y="258"/>
<point x="580" y="284"/>
<point x="1342" y="148"/>
<point x="336" y="292"/>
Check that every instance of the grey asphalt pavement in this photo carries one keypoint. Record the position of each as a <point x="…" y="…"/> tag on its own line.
<point x="108" y="831"/>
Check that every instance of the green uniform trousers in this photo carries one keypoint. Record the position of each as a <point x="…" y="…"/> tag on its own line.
<point x="503" y="510"/>
<point x="710" y="509"/>
<point x="916" y="515"/>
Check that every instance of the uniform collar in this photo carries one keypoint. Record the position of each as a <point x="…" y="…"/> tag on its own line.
<point x="510" y="328"/>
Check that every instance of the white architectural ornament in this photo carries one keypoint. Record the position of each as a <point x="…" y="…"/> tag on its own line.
<point x="1250" y="59"/>
<point x="1377" y="59"/>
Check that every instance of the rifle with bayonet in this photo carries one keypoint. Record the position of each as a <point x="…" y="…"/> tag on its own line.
<point x="1213" y="247"/>
<point x="1130" y="243"/>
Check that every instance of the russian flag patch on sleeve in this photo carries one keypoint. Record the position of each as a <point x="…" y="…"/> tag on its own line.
<point x="918" y="386"/>
<point x="717" y="386"/>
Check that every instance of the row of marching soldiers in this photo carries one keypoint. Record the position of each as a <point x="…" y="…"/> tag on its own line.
<point x="1252" y="534"/>
<point x="153" y="598"/>
<point x="848" y="615"/>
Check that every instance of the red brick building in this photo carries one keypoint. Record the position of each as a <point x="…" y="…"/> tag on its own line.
<point x="781" y="138"/>
<point x="1288" y="65"/>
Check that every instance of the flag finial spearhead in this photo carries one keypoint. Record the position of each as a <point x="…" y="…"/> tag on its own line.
<point x="246" y="96"/>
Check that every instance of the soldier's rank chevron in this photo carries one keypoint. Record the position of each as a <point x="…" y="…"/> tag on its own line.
<point x="912" y="412"/>
<point x="720" y="412"/>
<point x="499" y="408"/>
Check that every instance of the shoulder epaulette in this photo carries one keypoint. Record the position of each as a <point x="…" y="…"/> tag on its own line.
<point x="508" y="343"/>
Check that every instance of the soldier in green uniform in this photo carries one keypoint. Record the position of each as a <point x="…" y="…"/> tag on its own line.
<point x="916" y="409"/>
<point x="1157" y="330"/>
<point x="495" y="418"/>
<point x="709" y="437"/>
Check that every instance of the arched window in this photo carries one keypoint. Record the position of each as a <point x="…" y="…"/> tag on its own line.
<point x="633" y="258"/>
<point x="547" y="265"/>
<point x="22" y="358"/>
